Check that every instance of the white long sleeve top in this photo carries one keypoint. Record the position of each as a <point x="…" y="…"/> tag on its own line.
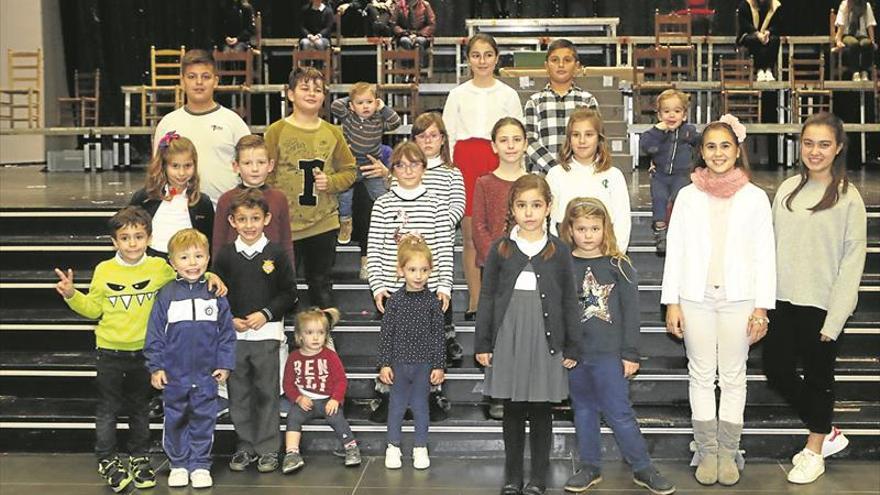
<point x="471" y="112"/>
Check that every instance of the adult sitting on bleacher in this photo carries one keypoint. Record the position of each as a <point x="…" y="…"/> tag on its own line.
<point x="759" y="22"/>
<point x="317" y="25"/>
<point x="238" y="26"/>
<point x="413" y="23"/>
<point x="855" y="35"/>
<point x="366" y="18"/>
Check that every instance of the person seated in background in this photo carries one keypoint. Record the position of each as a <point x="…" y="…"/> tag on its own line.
<point x="238" y="26"/>
<point x="317" y="25"/>
<point x="366" y="17"/>
<point x="413" y="23"/>
<point x="759" y="34"/>
<point x="855" y="35"/>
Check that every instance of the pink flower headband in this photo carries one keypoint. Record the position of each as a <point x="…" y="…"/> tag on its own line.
<point x="167" y="138"/>
<point x="738" y="128"/>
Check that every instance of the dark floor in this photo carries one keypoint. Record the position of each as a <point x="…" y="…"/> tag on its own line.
<point x="28" y="186"/>
<point x="74" y="474"/>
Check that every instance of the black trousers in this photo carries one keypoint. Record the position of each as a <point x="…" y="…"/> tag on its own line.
<point x="123" y="384"/>
<point x="361" y="210"/>
<point x="540" y="421"/>
<point x="317" y="255"/>
<point x="792" y="339"/>
<point x="253" y="396"/>
<point x="858" y="53"/>
<point x="765" y="55"/>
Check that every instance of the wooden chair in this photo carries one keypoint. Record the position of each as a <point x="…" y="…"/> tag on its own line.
<point x="324" y="59"/>
<point x="399" y="77"/>
<point x="21" y="96"/>
<point x="738" y="94"/>
<point x="236" y="73"/>
<point x="699" y="10"/>
<point x="85" y="104"/>
<point x="257" y="50"/>
<point x="651" y="75"/>
<point x="807" y="84"/>
<point x="164" y="93"/>
<point x="674" y="31"/>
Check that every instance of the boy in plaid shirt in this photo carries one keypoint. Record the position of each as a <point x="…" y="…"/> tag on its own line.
<point x="546" y="113"/>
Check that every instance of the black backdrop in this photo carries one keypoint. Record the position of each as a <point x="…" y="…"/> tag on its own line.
<point x="116" y="35"/>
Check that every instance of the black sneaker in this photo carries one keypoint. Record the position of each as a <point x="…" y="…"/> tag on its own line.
<point x="292" y="462"/>
<point x="380" y="412"/>
<point x="142" y="472"/>
<point x="454" y="351"/>
<point x="655" y="482"/>
<point x="438" y="407"/>
<point x="241" y="460"/>
<point x="267" y="462"/>
<point x="531" y="489"/>
<point x="352" y="456"/>
<point x="115" y="474"/>
<point x="496" y="409"/>
<point x="585" y="478"/>
<point x="156" y="408"/>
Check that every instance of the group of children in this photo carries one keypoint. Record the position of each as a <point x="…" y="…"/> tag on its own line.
<point x="557" y="317"/>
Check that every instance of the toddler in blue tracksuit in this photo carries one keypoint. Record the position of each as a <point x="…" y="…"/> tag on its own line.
<point x="190" y="348"/>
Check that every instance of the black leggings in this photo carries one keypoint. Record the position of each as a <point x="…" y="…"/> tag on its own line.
<point x="793" y="337"/>
<point x="765" y="55"/>
<point x="540" y="438"/>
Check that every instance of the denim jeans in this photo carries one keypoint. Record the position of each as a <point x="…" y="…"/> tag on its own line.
<point x="123" y="382"/>
<point x="297" y="417"/>
<point x="375" y="186"/>
<point x="664" y="188"/>
<point x="597" y="385"/>
<point x="412" y="382"/>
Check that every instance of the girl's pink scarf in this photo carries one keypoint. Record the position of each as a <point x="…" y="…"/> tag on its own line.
<point x="720" y="186"/>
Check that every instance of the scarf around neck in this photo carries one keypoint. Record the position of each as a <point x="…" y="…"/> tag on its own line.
<point x="720" y="186"/>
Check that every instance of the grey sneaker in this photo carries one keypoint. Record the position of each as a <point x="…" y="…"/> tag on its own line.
<point x="585" y="478"/>
<point x="352" y="456"/>
<point x="241" y="460"/>
<point x="655" y="482"/>
<point x="292" y="462"/>
<point x="267" y="462"/>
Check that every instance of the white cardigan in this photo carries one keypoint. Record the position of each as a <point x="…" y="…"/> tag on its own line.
<point x="750" y="255"/>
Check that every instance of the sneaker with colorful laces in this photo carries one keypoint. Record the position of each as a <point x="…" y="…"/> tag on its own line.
<point x="808" y="469"/>
<point x="142" y="472"/>
<point x="115" y="474"/>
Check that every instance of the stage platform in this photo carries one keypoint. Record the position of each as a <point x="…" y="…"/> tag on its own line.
<point x="74" y="474"/>
<point x="28" y="186"/>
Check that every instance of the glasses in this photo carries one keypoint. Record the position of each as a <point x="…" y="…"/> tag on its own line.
<point x="428" y="137"/>
<point x="407" y="166"/>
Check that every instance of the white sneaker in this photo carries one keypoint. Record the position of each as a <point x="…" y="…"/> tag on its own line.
<point x="865" y="76"/>
<point x="393" y="457"/>
<point x="420" y="458"/>
<point x="179" y="477"/>
<point x="768" y="76"/>
<point x="808" y="469"/>
<point x="834" y="442"/>
<point x="762" y="76"/>
<point x="201" y="478"/>
<point x="857" y="76"/>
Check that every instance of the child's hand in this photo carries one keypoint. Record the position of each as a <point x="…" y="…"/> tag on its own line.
<point x="652" y="169"/>
<point x="375" y="170"/>
<point x="437" y="376"/>
<point x="568" y="363"/>
<point x="256" y="320"/>
<point x="660" y="125"/>
<point x="220" y="375"/>
<point x="675" y="320"/>
<point x="332" y="407"/>
<point x="240" y="325"/>
<point x="386" y="375"/>
<point x="158" y="379"/>
<point x="304" y="403"/>
<point x="629" y="368"/>
<point x="485" y="359"/>
<point x="65" y="284"/>
<point x="444" y="301"/>
<point x="216" y="285"/>
<point x="321" y="180"/>
<point x="379" y="299"/>
<point x="379" y="104"/>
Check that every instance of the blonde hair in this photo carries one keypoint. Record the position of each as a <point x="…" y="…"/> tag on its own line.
<point x="327" y="318"/>
<point x="157" y="175"/>
<point x="410" y="246"/>
<point x="424" y="122"/>
<point x="185" y="239"/>
<point x="591" y="207"/>
<point x="360" y="88"/>
<point x="669" y="94"/>
<point x="603" y="154"/>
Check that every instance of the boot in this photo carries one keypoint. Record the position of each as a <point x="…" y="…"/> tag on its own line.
<point x="380" y="403"/>
<point x="706" y="438"/>
<point x="728" y="446"/>
<point x="438" y="406"/>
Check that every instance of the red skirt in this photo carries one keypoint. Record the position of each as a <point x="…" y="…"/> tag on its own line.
<point x="475" y="158"/>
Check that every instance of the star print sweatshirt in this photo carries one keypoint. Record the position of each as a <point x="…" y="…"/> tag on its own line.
<point x="608" y="296"/>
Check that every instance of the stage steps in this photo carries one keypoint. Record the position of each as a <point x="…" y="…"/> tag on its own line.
<point x="47" y="367"/>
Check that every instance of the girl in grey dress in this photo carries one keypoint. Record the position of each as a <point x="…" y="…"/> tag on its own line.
<point x="527" y="329"/>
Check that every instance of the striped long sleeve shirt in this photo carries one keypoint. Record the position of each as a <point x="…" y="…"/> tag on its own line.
<point x="364" y="136"/>
<point x="447" y="184"/>
<point x="408" y="211"/>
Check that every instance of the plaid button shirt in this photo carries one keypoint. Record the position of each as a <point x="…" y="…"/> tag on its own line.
<point x="546" y="115"/>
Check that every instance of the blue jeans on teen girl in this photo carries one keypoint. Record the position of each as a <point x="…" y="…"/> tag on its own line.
<point x="597" y="386"/>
